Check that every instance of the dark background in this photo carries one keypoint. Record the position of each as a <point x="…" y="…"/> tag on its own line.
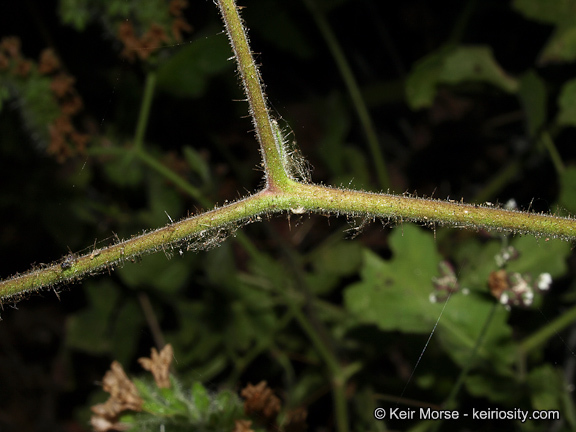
<point x="450" y="150"/>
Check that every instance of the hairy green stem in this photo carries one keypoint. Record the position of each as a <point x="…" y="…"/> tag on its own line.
<point x="300" y="198"/>
<point x="283" y="194"/>
<point x="276" y="175"/>
<point x="296" y="198"/>
<point x="354" y="92"/>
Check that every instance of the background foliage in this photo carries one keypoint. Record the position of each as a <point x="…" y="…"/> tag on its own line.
<point x="471" y="100"/>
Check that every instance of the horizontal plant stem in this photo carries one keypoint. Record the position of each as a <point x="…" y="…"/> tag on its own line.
<point x="340" y="201"/>
<point x="296" y="198"/>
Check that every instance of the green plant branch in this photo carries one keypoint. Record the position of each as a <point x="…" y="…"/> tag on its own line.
<point x="146" y="158"/>
<point x="555" y="157"/>
<point x="450" y="402"/>
<point x="319" y="336"/>
<point x="144" y="113"/>
<point x="297" y="198"/>
<point x="276" y="175"/>
<point x="554" y="327"/>
<point x="337" y="375"/>
<point x="354" y="92"/>
<point x="282" y="194"/>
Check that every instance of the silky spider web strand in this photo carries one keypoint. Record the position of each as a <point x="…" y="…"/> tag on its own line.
<point x="426" y="345"/>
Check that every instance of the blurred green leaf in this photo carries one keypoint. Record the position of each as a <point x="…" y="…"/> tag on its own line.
<point x="567" y="104"/>
<point x="331" y="262"/>
<point x="155" y="271"/>
<point x="423" y="78"/>
<point x="200" y="397"/>
<point x="561" y="47"/>
<point x="164" y="203"/>
<point x="187" y="72"/>
<point x="538" y="255"/>
<point x="533" y="95"/>
<point x="124" y="171"/>
<point x="546" y="387"/>
<point x="394" y="294"/>
<point x="567" y="198"/>
<point x="336" y="125"/>
<point x="75" y="13"/>
<point x="461" y="325"/>
<point x="247" y="323"/>
<point x="499" y="389"/>
<point x="128" y="320"/>
<point x="475" y="261"/>
<point x="547" y="11"/>
<point x="354" y="174"/>
<point x="197" y="163"/>
<point x="106" y="325"/>
<point x="88" y="329"/>
<point x="476" y="63"/>
<point x="454" y="65"/>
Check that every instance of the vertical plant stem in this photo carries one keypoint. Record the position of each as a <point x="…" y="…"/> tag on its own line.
<point x="464" y="373"/>
<point x="449" y="403"/>
<point x="338" y="377"/>
<point x="276" y="176"/>
<point x="144" y="114"/>
<point x="354" y="92"/>
<point x="152" y="320"/>
<point x="553" y="152"/>
<point x="462" y="22"/>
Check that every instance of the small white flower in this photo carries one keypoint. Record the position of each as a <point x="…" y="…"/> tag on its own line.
<point x="504" y="298"/>
<point x="432" y="297"/>
<point x="527" y="297"/>
<point x="544" y="281"/>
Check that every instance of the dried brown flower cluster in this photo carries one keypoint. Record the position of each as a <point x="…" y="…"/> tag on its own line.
<point x="123" y="393"/>
<point x="123" y="396"/>
<point x="242" y="426"/>
<point x="159" y="365"/>
<point x="262" y="404"/>
<point x="142" y="46"/>
<point x="65" y="140"/>
<point x="260" y="400"/>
